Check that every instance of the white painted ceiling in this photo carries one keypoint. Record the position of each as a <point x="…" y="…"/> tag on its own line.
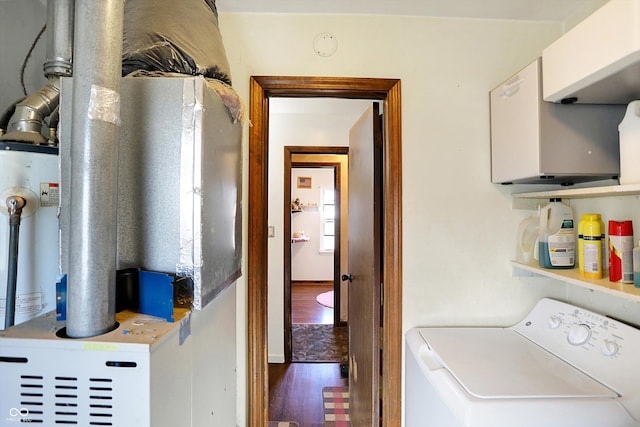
<point x="532" y="10"/>
<point x="337" y="113"/>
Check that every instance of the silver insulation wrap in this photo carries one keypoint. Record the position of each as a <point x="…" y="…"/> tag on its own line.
<point x="174" y="36"/>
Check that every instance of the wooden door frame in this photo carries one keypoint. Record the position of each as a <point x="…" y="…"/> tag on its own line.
<point x="289" y="164"/>
<point x="388" y="91"/>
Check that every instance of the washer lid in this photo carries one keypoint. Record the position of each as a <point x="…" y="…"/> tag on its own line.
<point x="494" y="363"/>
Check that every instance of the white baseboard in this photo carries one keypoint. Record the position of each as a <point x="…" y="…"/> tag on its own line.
<point x="276" y="358"/>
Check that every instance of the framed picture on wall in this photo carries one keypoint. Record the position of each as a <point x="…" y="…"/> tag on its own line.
<point x="304" y="182"/>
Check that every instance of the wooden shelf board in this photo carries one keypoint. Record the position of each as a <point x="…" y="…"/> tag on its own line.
<point x="573" y="276"/>
<point x="581" y="193"/>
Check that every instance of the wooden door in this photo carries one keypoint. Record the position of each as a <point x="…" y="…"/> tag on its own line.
<point x="365" y="208"/>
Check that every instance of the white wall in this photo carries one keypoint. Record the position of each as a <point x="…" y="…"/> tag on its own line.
<point x="20" y="22"/>
<point x="459" y="229"/>
<point x="307" y="261"/>
<point x="214" y="387"/>
<point x="456" y="267"/>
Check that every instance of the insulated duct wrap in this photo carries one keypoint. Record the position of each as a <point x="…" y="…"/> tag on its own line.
<point x="169" y="36"/>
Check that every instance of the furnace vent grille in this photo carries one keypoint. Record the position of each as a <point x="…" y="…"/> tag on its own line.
<point x="71" y="397"/>
<point x="100" y="401"/>
<point x="31" y="398"/>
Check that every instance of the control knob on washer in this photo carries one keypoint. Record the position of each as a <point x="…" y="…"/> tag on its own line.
<point x="579" y="334"/>
<point x="610" y="348"/>
<point x="554" y="321"/>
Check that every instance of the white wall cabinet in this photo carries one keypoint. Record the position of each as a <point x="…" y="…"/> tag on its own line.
<point x="597" y="61"/>
<point x="533" y="141"/>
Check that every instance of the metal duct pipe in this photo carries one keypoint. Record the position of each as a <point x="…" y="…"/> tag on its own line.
<point x="27" y="121"/>
<point x="97" y="68"/>
<point x="60" y="38"/>
<point x="5" y="117"/>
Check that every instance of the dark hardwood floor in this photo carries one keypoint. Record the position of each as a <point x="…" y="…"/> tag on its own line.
<point x="295" y="389"/>
<point x="305" y="308"/>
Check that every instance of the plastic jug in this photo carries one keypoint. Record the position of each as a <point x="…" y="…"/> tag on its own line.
<point x="527" y="237"/>
<point x="629" y="130"/>
<point x="557" y="239"/>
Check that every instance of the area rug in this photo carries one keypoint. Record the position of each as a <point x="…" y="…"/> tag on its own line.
<point x="283" y="424"/>
<point x="319" y="343"/>
<point x="336" y="406"/>
<point x="325" y="299"/>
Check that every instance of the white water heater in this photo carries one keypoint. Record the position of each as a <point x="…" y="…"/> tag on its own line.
<point x="31" y="172"/>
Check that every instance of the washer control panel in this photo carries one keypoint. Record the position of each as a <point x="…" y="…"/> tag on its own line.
<point x="603" y="348"/>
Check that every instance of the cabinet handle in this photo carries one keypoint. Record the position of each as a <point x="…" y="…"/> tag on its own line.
<point x="512" y="87"/>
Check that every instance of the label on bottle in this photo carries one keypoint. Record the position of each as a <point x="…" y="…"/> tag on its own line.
<point x="562" y="246"/>
<point x="592" y="256"/>
<point x="621" y="259"/>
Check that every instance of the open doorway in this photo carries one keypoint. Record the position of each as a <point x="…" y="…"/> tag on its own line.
<point x="387" y="90"/>
<point x="316" y="182"/>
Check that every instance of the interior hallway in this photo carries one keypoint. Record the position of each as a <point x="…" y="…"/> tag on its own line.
<point x="295" y="389"/>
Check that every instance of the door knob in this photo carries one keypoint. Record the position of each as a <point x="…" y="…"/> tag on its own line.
<point x="346" y="277"/>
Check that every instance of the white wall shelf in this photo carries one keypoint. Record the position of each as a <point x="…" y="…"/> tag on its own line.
<point x="583" y="193"/>
<point x="625" y="290"/>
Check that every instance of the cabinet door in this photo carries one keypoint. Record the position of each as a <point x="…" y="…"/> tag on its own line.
<point x="515" y="132"/>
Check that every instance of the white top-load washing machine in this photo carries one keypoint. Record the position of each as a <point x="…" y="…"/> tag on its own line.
<point x="561" y="366"/>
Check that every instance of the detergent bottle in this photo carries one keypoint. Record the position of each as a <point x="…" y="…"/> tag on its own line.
<point x="557" y="239"/>
<point x="527" y="236"/>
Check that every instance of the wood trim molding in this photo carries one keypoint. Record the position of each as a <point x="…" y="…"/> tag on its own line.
<point x="387" y="90"/>
<point x="392" y="261"/>
<point x="258" y="369"/>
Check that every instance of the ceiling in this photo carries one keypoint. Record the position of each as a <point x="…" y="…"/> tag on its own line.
<point x="531" y="10"/>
